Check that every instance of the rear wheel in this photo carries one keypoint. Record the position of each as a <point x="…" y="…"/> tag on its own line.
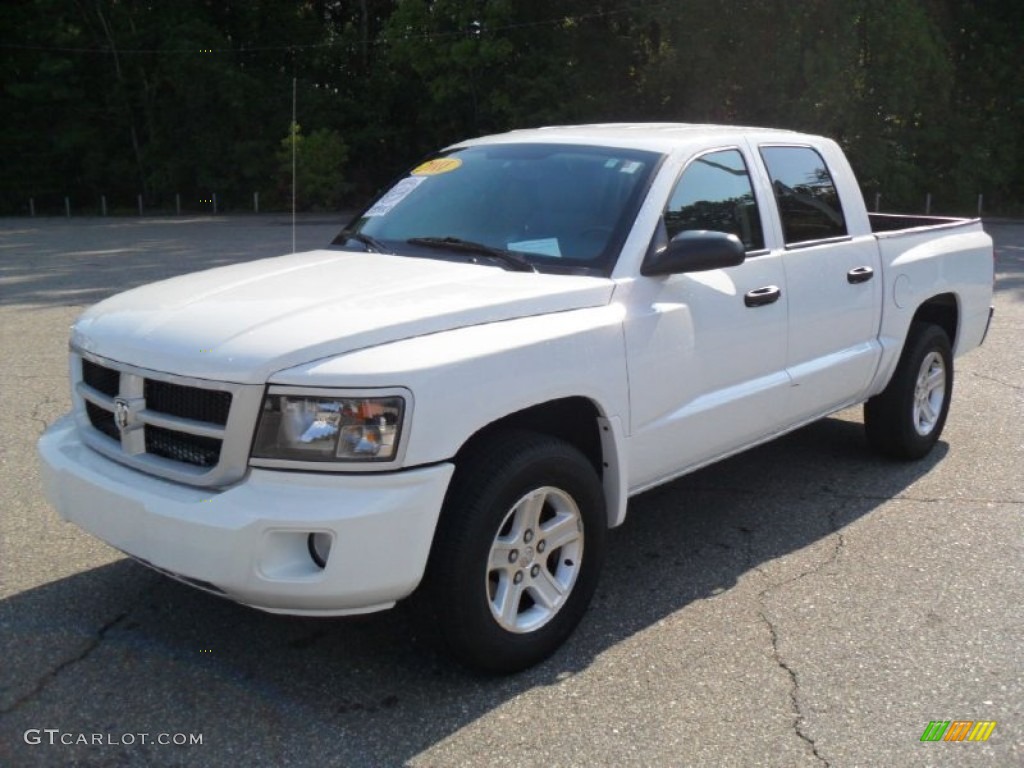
<point x="518" y="551"/>
<point x="907" y="418"/>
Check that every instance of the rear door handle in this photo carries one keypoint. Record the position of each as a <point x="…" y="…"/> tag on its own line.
<point x="759" y="297"/>
<point x="859" y="275"/>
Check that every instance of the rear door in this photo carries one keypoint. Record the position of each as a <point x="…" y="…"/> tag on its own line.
<point x="834" y="279"/>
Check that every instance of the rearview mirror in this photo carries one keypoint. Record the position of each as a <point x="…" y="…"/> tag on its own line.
<point x="696" y="250"/>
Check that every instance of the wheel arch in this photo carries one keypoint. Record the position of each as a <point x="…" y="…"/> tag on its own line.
<point x="581" y="422"/>
<point x="942" y="310"/>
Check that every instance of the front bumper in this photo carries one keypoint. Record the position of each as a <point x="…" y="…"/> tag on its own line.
<point x="249" y="542"/>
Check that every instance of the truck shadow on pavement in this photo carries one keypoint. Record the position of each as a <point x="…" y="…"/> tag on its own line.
<point x="120" y="648"/>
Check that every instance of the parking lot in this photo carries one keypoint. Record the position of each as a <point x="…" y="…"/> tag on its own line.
<point x="802" y="604"/>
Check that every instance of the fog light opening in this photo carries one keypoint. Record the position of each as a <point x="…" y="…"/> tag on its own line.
<point x="319" y="545"/>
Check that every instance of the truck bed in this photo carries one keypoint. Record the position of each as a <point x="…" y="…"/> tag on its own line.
<point x="894" y="222"/>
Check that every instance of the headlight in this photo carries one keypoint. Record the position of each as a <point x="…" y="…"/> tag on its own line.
<point x="322" y="426"/>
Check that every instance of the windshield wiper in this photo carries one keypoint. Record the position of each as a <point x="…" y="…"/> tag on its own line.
<point x="508" y="258"/>
<point x="372" y="244"/>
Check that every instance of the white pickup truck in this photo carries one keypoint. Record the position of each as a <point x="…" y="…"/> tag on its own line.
<point x="458" y="397"/>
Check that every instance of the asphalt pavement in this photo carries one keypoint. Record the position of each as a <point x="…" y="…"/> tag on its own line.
<point x="802" y="604"/>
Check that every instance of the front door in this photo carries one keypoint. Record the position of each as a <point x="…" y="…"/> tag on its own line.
<point x="707" y="350"/>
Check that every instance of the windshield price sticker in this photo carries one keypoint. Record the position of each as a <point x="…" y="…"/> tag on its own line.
<point x="437" y="166"/>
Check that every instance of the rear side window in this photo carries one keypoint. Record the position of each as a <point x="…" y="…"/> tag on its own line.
<point x="715" y="193"/>
<point x="808" y="202"/>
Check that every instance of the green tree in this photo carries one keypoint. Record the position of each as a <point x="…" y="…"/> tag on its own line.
<point x="987" y="111"/>
<point x="118" y="97"/>
<point x="318" y="163"/>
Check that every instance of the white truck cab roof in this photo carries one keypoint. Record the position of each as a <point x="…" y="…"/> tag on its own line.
<point x="657" y="137"/>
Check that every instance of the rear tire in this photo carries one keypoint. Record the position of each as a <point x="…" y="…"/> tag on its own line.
<point x="907" y="418"/>
<point x="518" y="551"/>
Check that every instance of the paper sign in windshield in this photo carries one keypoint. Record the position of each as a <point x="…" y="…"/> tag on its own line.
<point x="546" y="247"/>
<point x="436" y="166"/>
<point x="395" y="195"/>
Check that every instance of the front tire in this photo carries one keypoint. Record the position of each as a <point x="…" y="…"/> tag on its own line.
<point x="517" y="552"/>
<point x="907" y="418"/>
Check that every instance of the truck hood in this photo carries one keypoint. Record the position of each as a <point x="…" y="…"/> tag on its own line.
<point x="244" y="322"/>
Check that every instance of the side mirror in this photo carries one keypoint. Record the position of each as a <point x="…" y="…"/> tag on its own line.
<point x="695" y="250"/>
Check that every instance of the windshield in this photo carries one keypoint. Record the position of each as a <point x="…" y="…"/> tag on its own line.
<point x="558" y="207"/>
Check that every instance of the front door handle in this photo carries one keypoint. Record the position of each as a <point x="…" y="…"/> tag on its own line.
<point x="859" y="275"/>
<point x="759" y="297"/>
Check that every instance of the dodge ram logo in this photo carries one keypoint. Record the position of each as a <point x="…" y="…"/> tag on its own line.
<point x="122" y="413"/>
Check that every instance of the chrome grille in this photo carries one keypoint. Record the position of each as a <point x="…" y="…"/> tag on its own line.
<point x="186" y="429"/>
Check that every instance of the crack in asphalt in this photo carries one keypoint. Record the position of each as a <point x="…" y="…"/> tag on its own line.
<point x="839" y="545"/>
<point x="42" y="682"/>
<point x="34" y="377"/>
<point x="794" y="690"/>
<point x="863" y="496"/>
<point x="37" y="417"/>
<point x="993" y="379"/>
<point x="927" y="499"/>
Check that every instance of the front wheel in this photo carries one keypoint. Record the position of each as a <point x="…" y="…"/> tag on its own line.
<point x="518" y="551"/>
<point x="907" y="418"/>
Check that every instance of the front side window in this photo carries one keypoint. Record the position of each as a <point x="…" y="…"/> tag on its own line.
<point x="559" y="207"/>
<point x="808" y="202"/>
<point x="714" y="192"/>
